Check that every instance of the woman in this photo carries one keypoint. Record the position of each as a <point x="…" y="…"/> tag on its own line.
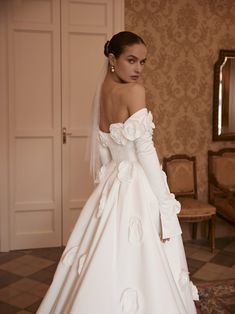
<point x="125" y="254"/>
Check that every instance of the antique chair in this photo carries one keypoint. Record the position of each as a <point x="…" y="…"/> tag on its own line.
<point x="221" y="181"/>
<point x="182" y="181"/>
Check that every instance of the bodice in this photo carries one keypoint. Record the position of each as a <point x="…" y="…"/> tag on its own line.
<point x="120" y="140"/>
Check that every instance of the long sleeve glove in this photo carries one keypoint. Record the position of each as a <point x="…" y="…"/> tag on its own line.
<point x="169" y="207"/>
<point x="140" y="127"/>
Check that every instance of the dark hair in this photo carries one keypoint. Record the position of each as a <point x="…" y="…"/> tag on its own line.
<point x="119" y="41"/>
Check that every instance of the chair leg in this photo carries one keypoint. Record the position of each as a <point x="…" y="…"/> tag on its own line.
<point x="194" y="231"/>
<point x="212" y="232"/>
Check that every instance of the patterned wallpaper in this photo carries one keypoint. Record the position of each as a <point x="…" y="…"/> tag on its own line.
<point x="183" y="39"/>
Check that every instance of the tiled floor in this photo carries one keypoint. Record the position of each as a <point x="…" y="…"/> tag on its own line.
<point x="25" y="275"/>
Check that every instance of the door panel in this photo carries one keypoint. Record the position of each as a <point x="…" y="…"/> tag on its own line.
<point x="32" y="11"/>
<point x="33" y="77"/>
<point x="86" y="25"/>
<point x="35" y="123"/>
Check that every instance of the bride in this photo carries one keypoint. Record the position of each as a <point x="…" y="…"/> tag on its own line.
<point x="125" y="254"/>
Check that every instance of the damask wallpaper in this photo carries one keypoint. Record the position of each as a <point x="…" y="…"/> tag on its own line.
<point x="183" y="38"/>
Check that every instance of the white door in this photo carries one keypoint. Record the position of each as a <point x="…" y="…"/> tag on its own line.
<point x="86" y="25"/>
<point x="54" y="56"/>
<point x="34" y="123"/>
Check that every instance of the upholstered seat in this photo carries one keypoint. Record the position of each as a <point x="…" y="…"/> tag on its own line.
<point x="182" y="181"/>
<point x="194" y="208"/>
<point x="221" y="172"/>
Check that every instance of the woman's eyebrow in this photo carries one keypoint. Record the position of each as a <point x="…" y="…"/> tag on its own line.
<point x="132" y="56"/>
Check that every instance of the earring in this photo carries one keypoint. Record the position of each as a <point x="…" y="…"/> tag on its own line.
<point x="112" y="69"/>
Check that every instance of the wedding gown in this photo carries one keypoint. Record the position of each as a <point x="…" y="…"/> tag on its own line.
<point x="115" y="261"/>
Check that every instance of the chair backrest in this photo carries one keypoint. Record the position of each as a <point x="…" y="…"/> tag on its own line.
<point x="221" y="167"/>
<point x="181" y="175"/>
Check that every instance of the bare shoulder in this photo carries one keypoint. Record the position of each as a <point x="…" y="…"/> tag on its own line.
<point x="133" y="97"/>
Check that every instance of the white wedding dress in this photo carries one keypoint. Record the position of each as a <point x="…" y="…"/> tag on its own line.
<point x="115" y="261"/>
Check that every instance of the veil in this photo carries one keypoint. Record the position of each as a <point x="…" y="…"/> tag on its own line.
<point x="92" y="151"/>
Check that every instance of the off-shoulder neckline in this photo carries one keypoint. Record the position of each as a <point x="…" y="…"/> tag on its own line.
<point x="130" y="117"/>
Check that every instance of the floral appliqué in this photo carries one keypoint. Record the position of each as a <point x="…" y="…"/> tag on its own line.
<point x="103" y="139"/>
<point x="135" y="233"/>
<point x="69" y="256"/>
<point x="184" y="279"/>
<point x="125" y="171"/>
<point x="132" y="129"/>
<point x="130" y="302"/>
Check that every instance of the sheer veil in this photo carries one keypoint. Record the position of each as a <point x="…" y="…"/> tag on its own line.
<point x="92" y="152"/>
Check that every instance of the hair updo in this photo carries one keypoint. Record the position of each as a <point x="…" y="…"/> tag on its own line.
<point x="119" y="41"/>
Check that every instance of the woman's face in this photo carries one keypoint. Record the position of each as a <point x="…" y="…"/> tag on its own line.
<point x="129" y="65"/>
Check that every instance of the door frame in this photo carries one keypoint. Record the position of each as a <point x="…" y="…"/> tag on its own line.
<point x="4" y="161"/>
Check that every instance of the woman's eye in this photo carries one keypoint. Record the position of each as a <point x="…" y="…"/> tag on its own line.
<point x="131" y="61"/>
<point x="142" y="62"/>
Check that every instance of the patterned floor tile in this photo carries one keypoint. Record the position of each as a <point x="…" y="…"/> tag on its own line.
<point x="6" y="257"/>
<point x="230" y="247"/>
<point x="224" y="258"/>
<point x="33" y="308"/>
<point x="52" y="254"/>
<point x="194" y="265"/>
<point x="7" y="293"/>
<point x="52" y="268"/>
<point x="25" y="284"/>
<point x="40" y="289"/>
<point x="44" y="276"/>
<point x="8" y="309"/>
<point x="6" y="278"/>
<point x="23" y="300"/>
<point x="199" y="253"/>
<point x="26" y="265"/>
<point x="221" y="243"/>
<point x="211" y="271"/>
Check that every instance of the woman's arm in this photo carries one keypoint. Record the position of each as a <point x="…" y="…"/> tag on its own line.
<point x="147" y="156"/>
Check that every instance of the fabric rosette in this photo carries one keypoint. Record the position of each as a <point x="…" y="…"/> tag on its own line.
<point x="194" y="291"/>
<point x="133" y="129"/>
<point x="125" y="171"/>
<point x="184" y="279"/>
<point x="170" y="206"/>
<point x="186" y="284"/>
<point x="103" y="139"/>
<point x="149" y="124"/>
<point x="116" y="133"/>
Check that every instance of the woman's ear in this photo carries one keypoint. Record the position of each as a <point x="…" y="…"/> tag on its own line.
<point x="112" y="59"/>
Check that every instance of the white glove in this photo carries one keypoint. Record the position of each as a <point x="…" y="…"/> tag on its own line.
<point x="169" y="206"/>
